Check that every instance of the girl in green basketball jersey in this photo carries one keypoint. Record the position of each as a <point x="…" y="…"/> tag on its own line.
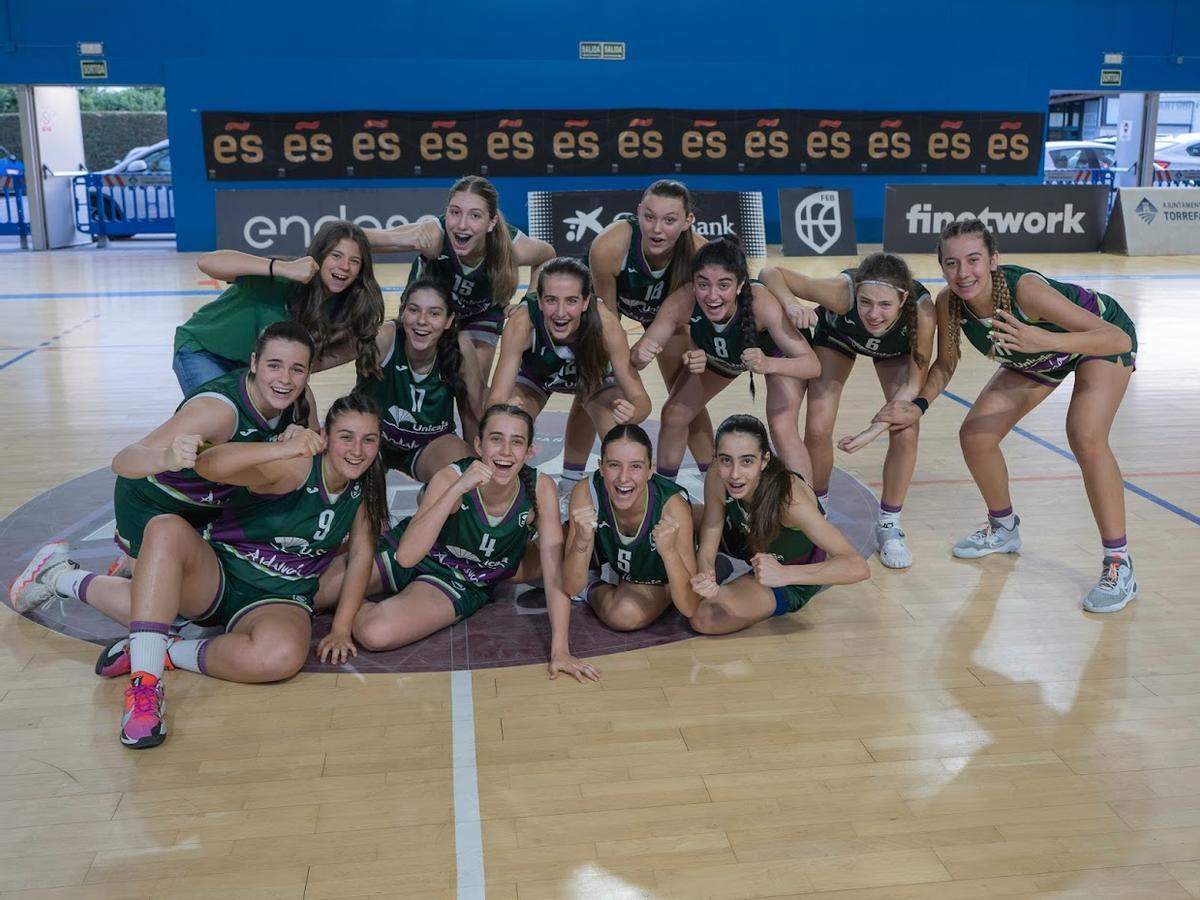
<point x="476" y="520"/>
<point x="759" y="512"/>
<point x="640" y="525"/>
<point x="562" y="340"/>
<point x="156" y="475"/>
<point x="636" y="262"/>
<point x="256" y="573"/>
<point x="875" y="310"/>
<point x="425" y="376"/>
<point x="475" y="252"/>
<point x="735" y="326"/>
<point x="1039" y="331"/>
<point x="332" y="292"/>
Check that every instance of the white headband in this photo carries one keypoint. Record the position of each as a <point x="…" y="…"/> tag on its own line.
<point x="901" y="291"/>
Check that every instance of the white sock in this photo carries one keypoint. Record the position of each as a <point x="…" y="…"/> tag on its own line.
<point x="187" y="654"/>
<point x="147" y="649"/>
<point x="889" y="518"/>
<point x="68" y="582"/>
<point x="571" y="476"/>
<point x="1008" y="522"/>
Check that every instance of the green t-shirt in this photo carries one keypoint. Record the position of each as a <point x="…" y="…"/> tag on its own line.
<point x="229" y="326"/>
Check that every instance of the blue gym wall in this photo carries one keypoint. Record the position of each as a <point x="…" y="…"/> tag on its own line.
<point x="271" y="56"/>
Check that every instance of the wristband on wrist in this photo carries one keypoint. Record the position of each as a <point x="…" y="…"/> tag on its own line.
<point x="271" y="268"/>
<point x="920" y="403"/>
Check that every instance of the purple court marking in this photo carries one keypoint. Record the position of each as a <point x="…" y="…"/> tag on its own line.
<point x="511" y="631"/>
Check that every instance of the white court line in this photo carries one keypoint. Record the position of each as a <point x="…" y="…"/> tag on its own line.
<point x="468" y="833"/>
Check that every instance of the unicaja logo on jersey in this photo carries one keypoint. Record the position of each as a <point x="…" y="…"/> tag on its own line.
<point x="582" y="222"/>
<point x="1146" y="211"/>
<point x="819" y="220"/>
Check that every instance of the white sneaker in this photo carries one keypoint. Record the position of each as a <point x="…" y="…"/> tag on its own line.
<point x="991" y="538"/>
<point x="1116" y="588"/>
<point x="35" y="585"/>
<point x="893" y="552"/>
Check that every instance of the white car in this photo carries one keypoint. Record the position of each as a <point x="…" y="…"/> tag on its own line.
<point x="147" y="197"/>
<point x="1180" y="153"/>
<point x="1066" y="158"/>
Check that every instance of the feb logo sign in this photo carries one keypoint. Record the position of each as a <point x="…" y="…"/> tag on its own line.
<point x="817" y="222"/>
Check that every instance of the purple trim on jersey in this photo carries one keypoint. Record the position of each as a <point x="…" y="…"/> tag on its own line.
<point x="471" y="573"/>
<point x="280" y="562"/>
<point x="611" y="514"/>
<point x="402" y="439"/>
<point x="152" y="627"/>
<point x="248" y="403"/>
<point x="196" y="489"/>
<point x="1088" y="300"/>
<point x="815" y="555"/>
<point x="481" y="511"/>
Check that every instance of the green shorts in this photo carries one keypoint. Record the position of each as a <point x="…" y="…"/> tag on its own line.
<point x="790" y="598"/>
<point x="401" y="459"/>
<point x="467" y="599"/>
<point x="235" y="598"/>
<point x="137" y="501"/>
<point x="1056" y="375"/>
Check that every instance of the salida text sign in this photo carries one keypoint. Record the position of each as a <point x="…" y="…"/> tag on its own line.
<point x="372" y="144"/>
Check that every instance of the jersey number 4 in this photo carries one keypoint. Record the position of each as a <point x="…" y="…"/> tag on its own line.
<point x="487" y="545"/>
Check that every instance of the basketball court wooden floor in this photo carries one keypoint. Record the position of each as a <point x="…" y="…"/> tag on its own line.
<point x="957" y="730"/>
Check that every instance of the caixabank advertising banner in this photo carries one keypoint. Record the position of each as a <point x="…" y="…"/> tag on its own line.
<point x="570" y="220"/>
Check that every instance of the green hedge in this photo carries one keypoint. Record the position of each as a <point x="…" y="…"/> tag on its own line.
<point x="107" y="136"/>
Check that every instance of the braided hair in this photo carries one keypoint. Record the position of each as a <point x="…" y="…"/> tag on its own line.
<point x="1001" y="296"/>
<point x="893" y="270"/>
<point x="726" y="253"/>
<point x="374" y="480"/>
<point x="527" y="474"/>
<point x="294" y="332"/>
<point x="773" y="493"/>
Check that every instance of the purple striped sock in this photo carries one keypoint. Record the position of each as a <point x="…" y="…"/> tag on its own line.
<point x="669" y="474"/>
<point x="83" y="587"/>
<point x="703" y="467"/>
<point x="888" y="508"/>
<point x="1000" y="513"/>
<point x="1115" y="546"/>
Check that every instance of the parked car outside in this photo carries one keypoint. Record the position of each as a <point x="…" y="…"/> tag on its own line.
<point x="148" y="203"/>
<point x="1180" y="153"/>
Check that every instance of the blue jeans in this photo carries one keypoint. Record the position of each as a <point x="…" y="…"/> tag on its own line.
<point x="196" y="367"/>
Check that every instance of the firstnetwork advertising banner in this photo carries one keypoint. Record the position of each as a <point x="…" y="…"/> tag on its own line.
<point x="1026" y="218"/>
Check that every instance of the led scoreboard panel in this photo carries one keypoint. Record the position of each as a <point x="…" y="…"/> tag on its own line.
<point x="377" y="144"/>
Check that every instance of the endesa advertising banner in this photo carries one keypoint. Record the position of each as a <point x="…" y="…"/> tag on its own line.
<point x="1026" y="218"/>
<point x="256" y="146"/>
<point x="275" y="222"/>
<point x="570" y="220"/>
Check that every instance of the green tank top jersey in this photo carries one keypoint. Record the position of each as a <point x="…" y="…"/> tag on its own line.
<point x="477" y="548"/>
<point x="633" y="557"/>
<point x="233" y="388"/>
<point x="722" y="343"/>
<point x="978" y="331"/>
<point x="470" y="290"/>
<point x="792" y="547"/>
<point x="546" y="364"/>
<point x="229" y="326"/>
<point x="280" y="544"/>
<point x="416" y="408"/>
<point x="640" y="290"/>
<point x="847" y="332"/>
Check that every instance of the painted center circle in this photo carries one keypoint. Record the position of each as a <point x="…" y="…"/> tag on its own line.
<point x="513" y="630"/>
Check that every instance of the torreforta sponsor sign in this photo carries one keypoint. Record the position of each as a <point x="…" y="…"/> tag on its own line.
<point x="1155" y="222"/>
<point x="387" y="144"/>
<point x="282" y="222"/>
<point x="1033" y="218"/>
<point x="570" y="220"/>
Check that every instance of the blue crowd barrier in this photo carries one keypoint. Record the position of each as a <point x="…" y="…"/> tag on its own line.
<point x="13" y="220"/>
<point x="108" y="206"/>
